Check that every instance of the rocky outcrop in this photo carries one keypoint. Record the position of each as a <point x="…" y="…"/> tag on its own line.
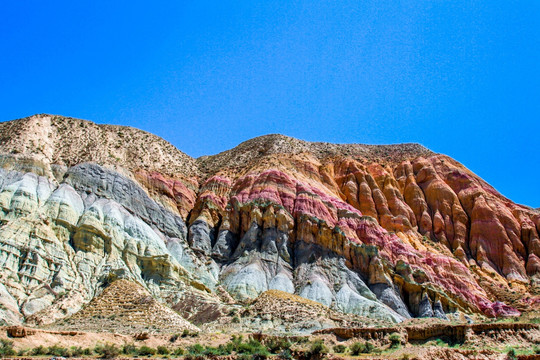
<point x="390" y="232"/>
<point x="19" y="331"/>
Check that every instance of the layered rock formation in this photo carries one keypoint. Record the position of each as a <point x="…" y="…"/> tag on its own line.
<point x="73" y="220"/>
<point x="347" y="224"/>
<point x="389" y="232"/>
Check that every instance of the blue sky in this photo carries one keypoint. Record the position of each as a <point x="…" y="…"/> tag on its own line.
<point x="460" y="77"/>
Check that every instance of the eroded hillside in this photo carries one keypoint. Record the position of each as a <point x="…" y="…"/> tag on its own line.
<point x="387" y="232"/>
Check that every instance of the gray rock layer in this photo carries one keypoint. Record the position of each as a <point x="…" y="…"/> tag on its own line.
<point x="60" y="241"/>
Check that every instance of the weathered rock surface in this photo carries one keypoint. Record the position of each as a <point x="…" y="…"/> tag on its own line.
<point x="389" y="232"/>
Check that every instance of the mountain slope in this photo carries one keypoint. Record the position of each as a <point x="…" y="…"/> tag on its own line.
<point x="388" y="232"/>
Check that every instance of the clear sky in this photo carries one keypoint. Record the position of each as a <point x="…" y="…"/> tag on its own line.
<point x="460" y="77"/>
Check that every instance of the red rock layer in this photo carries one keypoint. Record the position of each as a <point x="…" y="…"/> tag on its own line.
<point x="177" y="194"/>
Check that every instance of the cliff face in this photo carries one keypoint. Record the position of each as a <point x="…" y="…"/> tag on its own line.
<point x="389" y="232"/>
<point x="422" y="233"/>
